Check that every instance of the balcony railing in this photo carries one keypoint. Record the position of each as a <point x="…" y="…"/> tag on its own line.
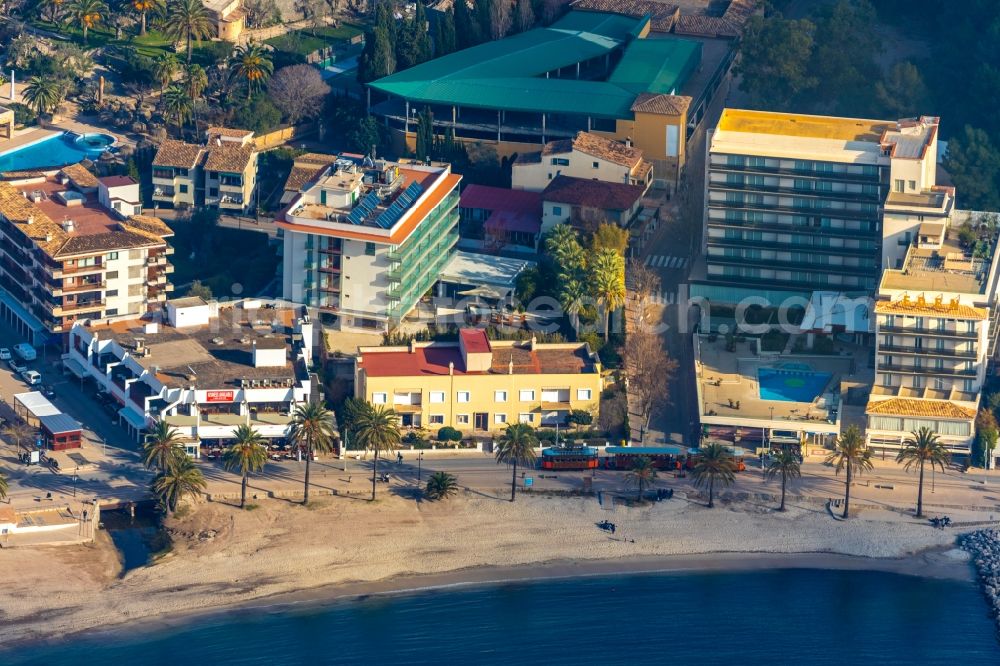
<point x="932" y="332"/>
<point x="928" y="351"/>
<point x="793" y="191"/>
<point x="76" y="288"/>
<point x="924" y="370"/>
<point x="79" y="306"/>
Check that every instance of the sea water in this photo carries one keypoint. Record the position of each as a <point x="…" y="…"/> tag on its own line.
<point x="785" y="616"/>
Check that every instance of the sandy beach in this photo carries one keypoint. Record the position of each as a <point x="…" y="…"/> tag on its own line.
<point x="284" y="553"/>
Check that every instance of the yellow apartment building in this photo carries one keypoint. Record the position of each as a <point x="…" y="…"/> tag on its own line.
<point x="480" y="386"/>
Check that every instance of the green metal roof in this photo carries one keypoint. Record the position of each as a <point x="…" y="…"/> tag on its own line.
<point x="656" y="65"/>
<point x="509" y="74"/>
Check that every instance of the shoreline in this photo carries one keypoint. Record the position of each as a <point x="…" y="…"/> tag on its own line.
<point x="927" y="563"/>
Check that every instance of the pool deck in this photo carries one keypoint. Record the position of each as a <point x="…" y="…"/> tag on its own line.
<point x="730" y="378"/>
<point x="24" y="137"/>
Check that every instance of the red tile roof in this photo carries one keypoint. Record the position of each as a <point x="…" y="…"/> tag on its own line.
<point x="592" y="193"/>
<point x="475" y="340"/>
<point x="117" y="181"/>
<point x="434" y="360"/>
<point x="501" y="198"/>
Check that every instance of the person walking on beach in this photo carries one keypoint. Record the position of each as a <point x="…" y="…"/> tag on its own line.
<point x="612" y="528"/>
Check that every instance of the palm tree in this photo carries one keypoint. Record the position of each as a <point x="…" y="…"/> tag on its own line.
<point x="187" y="20"/>
<point x="642" y="474"/>
<point x="441" y="485"/>
<point x="714" y="463"/>
<point x="247" y="454"/>
<point x="144" y="7"/>
<point x="376" y="427"/>
<point x="785" y="464"/>
<point x="607" y="276"/>
<point x="18" y="433"/>
<point x="177" y="104"/>
<point x="181" y="478"/>
<point x="196" y="81"/>
<point x="313" y="429"/>
<point x="88" y="13"/>
<point x="516" y="445"/>
<point x="161" y="447"/>
<point x="923" y="447"/>
<point x="4" y="488"/>
<point x="252" y="63"/>
<point x="42" y="94"/>
<point x="850" y="453"/>
<point x="164" y="68"/>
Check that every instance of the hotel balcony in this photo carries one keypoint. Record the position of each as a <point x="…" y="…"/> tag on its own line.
<point x="156" y="280"/>
<point x="158" y="260"/>
<point x="928" y="351"/>
<point x="77" y="288"/>
<point x="84" y="306"/>
<point x="924" y="370"/>
<point x="82" y="270"/>
<point x="930" y="332"/>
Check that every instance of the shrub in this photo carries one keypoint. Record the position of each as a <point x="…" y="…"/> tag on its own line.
<point x="449" y="434"/>
<point x="23" y="114"/>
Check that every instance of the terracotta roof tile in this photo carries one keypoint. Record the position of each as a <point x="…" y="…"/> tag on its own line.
<point x="592" y="193"/>
<point x="177" y="154"/>
<point x="667" y="105"/>
<point x="912" y="407"/>
<point x="661" y="15"/>
<point x="228" y="132"/>
<point x="922" y="306"/>
<point x="228" y="157"/>
<point x="607" y="149"/>
<point x="79" y="176"/>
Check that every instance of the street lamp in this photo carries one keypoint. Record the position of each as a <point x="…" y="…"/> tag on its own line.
<point x="420" y="459"/>
<point x="75" y="479"/>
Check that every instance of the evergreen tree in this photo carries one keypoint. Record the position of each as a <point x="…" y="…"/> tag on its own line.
<point x="413" y="44"/>
<point x="467" y="31"/>
<point x="425" y="134"/>
<point x="482" y="17"/>
<point x="444" y="37"/>
<point x="378" y="58"/>
<point x="524" y="16"/>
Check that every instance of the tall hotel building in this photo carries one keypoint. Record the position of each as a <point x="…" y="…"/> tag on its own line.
<point x="796" y="204"/>
<point x="365" y="240"/>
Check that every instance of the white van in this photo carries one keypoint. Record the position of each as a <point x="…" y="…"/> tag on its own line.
<point x="25" y="352"/>
<point x="31" y="377"/>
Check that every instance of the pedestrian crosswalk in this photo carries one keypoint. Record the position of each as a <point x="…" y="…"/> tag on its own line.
<point x="665" y="261"/>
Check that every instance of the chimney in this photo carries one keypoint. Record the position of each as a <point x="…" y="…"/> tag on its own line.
<point x="510" y="365"/>
<point x="451" y="368"/>
<point x="534" y="341"/>
<point x="68" y="225"/>
<point x="30" y="220"/>
<point x="413" y="346"/>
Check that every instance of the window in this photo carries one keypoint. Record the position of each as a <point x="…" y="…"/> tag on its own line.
<point x="557" y="210"/>
<point x="112" y="256"/>
<point x="913" y="184"/>
<point x="560" y="161"/>
<point x="370" y="249"/>
<point x="182" y="188"/>
<point x="500" y="396"/>
<point x="112" y="293"/>
<point x="524" y="417"/>
<point x="499" y="418"/>
<point x="111" y="275"/>
<point x="463" y="396"/>
<point x="583" y="394"/>
<point x="899" y="185"/>
<point x="436" y="397"/>
<point x="379" y="398"/>
<point x="526" y="395"/>
<point x="597" y="165"/>
<point x="111" y="312"/>
<point x="462" y="419"/>
<point x="550" y="175"/>
<point x="436" y="419"/>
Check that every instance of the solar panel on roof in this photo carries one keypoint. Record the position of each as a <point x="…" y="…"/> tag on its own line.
<point x="356" y="216"/>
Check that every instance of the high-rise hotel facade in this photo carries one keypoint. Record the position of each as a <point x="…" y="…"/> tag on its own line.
<point x="796" y="204"/>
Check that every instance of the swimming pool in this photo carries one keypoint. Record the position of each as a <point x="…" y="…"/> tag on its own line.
<point x="791" y="384"/>
<point x="56" y="151"/>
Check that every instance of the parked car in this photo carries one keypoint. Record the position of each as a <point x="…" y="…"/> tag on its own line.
<point x="4" y="354"/>
<point x="31" y="377"/>
<point x="25" y="351"/>
<point x="48" y="391"/>
<point x="16" y="367"/>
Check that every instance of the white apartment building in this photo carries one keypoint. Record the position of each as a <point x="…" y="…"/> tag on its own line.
<point x="221" y="174"/>
<point x="935" y="323"/>
<point x="587" y="156"/>
<point x="74" y="248"/>
<point x="365" y="240"/>
<point x="204" y="369"/>
<point x="796" y="203"/>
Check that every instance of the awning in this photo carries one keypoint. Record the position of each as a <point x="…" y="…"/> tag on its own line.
<point x="74" y="366"/>
<point x="60" y="424"/>
<point x="136" y="421"/>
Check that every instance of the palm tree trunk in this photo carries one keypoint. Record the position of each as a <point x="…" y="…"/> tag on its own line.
<point x="189" y="48"/>
<point x="85" y="33"/>
<point x="374" y="473"/>
<point x="243" y="491"/>
<point x="309" y="451"/>
<point x="142" y="29"/>
<point x="513" y="481"/>
<point x="711" y="492"/>
<point x="783" y="481"/>
<point x="920" y="492"/>
<point x="847" y="493"/>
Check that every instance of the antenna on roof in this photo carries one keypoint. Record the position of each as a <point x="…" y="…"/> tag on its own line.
<point x="192" y="371"/>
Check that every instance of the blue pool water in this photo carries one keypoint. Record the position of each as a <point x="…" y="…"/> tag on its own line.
<point x="752" y="618"/>
<point x="55" y="151"/>
<point x="791" y="385"/>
